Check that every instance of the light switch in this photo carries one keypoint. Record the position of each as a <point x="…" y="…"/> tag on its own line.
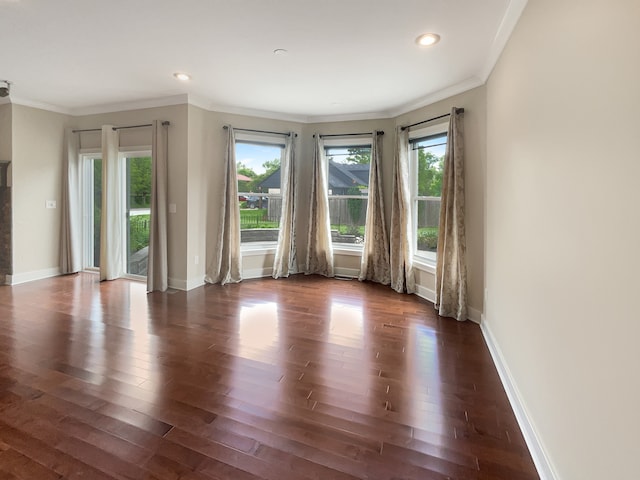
<point x="50" y="204"/>
<point x="172" y="208"/>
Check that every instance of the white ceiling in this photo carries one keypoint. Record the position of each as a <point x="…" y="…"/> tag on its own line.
<point x="346" y="58"/>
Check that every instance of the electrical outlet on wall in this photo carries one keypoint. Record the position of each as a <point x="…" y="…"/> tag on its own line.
<point x="50" y="204"/>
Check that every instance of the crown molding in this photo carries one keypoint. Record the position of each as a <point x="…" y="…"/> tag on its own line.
<point x="349" y="117"/>
<point x="199" y="102"/>
<point x="135" y="105"/>
<point x="432" y="98"/>
<point x="25" y="102"/>
<point x="287" y="117"/>
<point x="509" y="20"/>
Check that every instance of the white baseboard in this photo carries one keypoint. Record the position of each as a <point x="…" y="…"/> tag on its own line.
<point x="473" y="314"/>
<point x="346" y="272"/>
<point x="250" y="273"/>
<point x="177" y="283"/>
<point x="195" y="282"/>
<point x="31" y="276"/>
<point x="540" y="458"/>
<point x="186" y="285"/>
<point x="426" y="293"/>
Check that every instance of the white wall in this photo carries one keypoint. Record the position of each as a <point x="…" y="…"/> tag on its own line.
<point x="199" y="150"/>
<point x="36" y="177"/>
<point x="562" y="262"/>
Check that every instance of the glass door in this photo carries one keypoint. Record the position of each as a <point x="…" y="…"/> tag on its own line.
<point x="137" y="213"/>
<point x="92" y="211"/>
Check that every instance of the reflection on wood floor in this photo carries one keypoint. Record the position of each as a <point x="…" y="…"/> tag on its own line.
<point x="300" y="378"/>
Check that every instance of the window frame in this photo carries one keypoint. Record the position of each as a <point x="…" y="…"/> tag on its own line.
<point x="421" y="258"/>
<point x="87" y="194"/>
<point x="344" y="143"/>
<point x="265" y="139"/>
<point x="123" y="154"/>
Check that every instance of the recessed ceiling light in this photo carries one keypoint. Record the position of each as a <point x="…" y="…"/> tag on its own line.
<point x="280" y="51"/>
<point x="184" y="77"/>
<point x="428" y="39"/>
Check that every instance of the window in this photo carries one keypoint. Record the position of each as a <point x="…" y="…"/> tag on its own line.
<point x="92" y="212"/>
<point x="136" y="214"/>
<point x="258" y="161"/>
<point x="348" y="178"/>
<point x="427" y="160"/>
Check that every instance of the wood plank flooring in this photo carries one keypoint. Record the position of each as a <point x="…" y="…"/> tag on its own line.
<point x="301" y="378"/>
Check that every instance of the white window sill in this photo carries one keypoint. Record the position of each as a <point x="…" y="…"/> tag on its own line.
<point x="347" y="249"/>
<point x="258" y="248"/>
<point x="254" y="250"/>
<point x="424" y="264"/>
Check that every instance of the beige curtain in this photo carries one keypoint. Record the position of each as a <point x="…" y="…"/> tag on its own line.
<point x="226" y="266"/>
<point x="111" y="234"/>
<point x="71" y="206"/>
<point x="320" y="250"/>
<point x="375" y="254"/>
<point x="157" y="269"/>
<point x="401" y="241"/>
<point x="285" y="262"/>
<point x="451" y="268"/>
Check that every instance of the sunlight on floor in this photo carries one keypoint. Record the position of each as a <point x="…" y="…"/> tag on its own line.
<point x="346" y="325"/>
<point x="258" y="331"/>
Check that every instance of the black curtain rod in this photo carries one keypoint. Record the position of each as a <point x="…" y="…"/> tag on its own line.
<point x="458" y="110"/>
<point x="165" y="123"/>
<point x="379" y="132"/>
<point x="87" y="130"/>
<point x="226" y="127"/>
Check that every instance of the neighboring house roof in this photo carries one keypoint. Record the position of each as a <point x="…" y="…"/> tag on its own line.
<point x="342" y="176"/>
<point x="272" y="181"/>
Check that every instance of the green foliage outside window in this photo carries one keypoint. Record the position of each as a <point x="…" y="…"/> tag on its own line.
<point x="359" y="155"/>
<point x="429" y="174"/>
<point x="140" y="182"/>
<point x="139" y="232"/>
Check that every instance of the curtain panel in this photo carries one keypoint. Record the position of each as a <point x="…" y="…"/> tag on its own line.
<point x="157" y="268"/>
<point x="401" y="241"/>
<point x="285" y="261"/>
<point x="451" y="268"/>
<point x="111" y="254"/>
<point x="226" y="264"/>
<point x="375" y="264"/>
<point x="320" y="250"/>
<point x="71" y="203"/>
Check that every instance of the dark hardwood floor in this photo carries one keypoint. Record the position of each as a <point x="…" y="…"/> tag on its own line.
<point x="301" y="378"/>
